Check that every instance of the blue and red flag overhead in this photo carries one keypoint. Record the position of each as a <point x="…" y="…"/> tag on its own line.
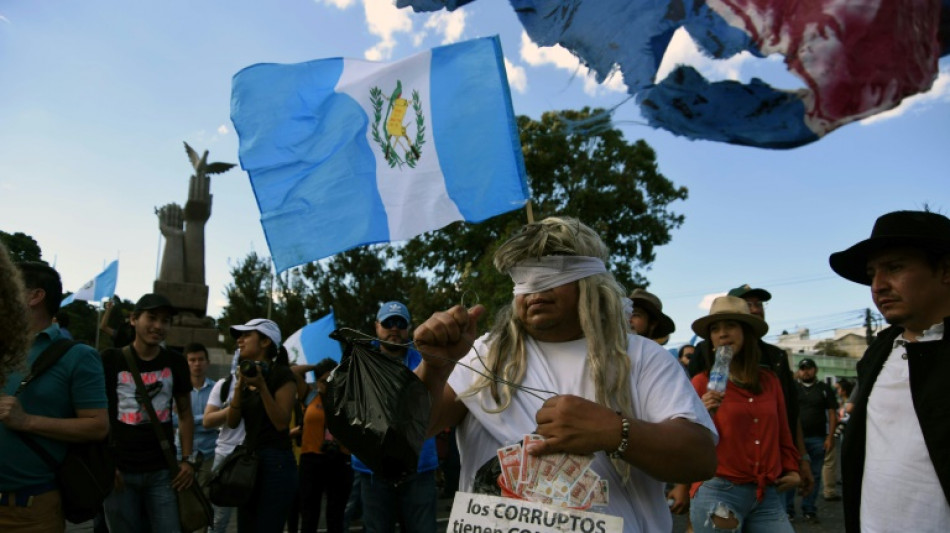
<point x="855" y="58"/>
<point x="345" y="152"/>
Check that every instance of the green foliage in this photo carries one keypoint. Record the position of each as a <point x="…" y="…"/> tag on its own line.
<point x="609" y="184"/>
<point x="21" y="247"/>
<point x="829" y="348"/>
<point x="84" y="321"/>
<point x="594" y="175"/>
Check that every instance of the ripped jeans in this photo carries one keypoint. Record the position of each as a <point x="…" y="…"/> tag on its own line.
<point x="752" y="516"/>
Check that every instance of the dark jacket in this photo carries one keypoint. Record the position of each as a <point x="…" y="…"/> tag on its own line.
<point x="773" y="358"/>
<point x="929" y="365"/>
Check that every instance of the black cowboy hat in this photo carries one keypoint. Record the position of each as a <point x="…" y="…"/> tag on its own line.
<point x="917" y="229"/>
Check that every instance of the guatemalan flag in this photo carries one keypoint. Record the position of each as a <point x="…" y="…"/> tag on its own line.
<point x="312" y="343"/>
<point x="345" y="152"/>
<point x="98" y="288"/>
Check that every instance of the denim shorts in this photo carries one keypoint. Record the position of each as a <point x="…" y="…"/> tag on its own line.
<point x="724" y="497"/>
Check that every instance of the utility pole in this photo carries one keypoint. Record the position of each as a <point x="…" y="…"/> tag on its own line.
<point x="868" y="326"/>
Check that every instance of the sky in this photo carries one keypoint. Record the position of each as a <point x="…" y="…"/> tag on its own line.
<point x="97" y="97"/>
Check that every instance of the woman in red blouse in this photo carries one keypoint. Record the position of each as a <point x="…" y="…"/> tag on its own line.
<point x="756" y="453"/>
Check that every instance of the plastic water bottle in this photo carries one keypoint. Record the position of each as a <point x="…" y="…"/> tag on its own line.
<point x="720" y="370"/>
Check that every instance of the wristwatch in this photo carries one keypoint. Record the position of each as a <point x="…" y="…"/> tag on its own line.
<point x="190" y="459"/>
<point x="806" y="457"/>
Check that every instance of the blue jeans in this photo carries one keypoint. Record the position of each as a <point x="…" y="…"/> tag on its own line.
<point x="147" y="498"/>
<point x="276" y="487"/>
<point x="354" y="506"/>
<point x="766" y="516"/>
<point x="222" y="515"/>
<point x="815" y="446"/>
<point x="413" y="502"/>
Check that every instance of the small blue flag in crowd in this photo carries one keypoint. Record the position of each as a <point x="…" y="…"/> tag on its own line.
<point x="98" y="288"/>
<point x="345" y="152"/>
<point x="312" y="343"/>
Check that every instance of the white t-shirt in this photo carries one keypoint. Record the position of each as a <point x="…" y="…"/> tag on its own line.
<point x="660" y="390"/>
<point x="900" y="491"/>
<point x="229" y="438"/>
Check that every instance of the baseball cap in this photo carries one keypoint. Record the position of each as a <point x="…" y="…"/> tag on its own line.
<point x="746" y="290"/>
<point x="807" y="363"/>
<point x="393" y="308"/>
<point x="152" y="301"/>
<point x="265" y="327"/>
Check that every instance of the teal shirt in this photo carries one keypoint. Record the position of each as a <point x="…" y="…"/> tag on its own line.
<point x="75" y="382"/>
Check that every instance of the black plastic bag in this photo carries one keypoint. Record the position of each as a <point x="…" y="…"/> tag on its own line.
<point x="377" y="408"/>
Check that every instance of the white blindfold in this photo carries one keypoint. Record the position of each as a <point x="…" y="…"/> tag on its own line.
<point x="537" y="275"/>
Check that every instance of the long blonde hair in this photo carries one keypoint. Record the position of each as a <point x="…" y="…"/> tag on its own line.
<point x="600" y="308"/>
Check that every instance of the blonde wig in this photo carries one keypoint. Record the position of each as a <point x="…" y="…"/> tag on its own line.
<point x="600" y="309"/>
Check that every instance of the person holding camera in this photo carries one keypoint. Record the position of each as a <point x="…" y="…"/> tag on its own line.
<point x="324" y="462"/>
<point x="264" y="399"/>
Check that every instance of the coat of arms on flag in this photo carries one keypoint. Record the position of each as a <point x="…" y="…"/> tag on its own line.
<point x="395" y="135"/>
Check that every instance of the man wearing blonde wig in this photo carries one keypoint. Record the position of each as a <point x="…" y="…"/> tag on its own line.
<point x="566" y="332"/>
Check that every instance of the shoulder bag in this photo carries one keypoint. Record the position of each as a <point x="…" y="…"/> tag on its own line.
<point x="194" y="509"/>
<point x="87" y="473"/>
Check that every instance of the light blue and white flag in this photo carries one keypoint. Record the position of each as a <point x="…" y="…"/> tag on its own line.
<point x="345" y="152"/>
<point x="98" y="288"/>
<point x="312" y="343"/>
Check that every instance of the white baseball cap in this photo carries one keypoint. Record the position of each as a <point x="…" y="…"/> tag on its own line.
<point x="265" y="327"/>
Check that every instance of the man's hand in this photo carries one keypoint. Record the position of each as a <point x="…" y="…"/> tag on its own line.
<point x="447" y="336"/>
<point x="12" y="414"/>
<point x="119" y="481"/>
<point x="680" y="496"/>
<point x="185" y="477"/>
<point x="829" y="444"/>
<point x="788" y="481"/>
<point x="807" y="480"/>
<point x="572" y="424"/>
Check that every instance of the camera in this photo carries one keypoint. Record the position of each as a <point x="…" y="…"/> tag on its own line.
<point x="250" y="368"/>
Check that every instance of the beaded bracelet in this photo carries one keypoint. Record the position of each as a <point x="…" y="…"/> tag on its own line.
<point x="624" y="436"/>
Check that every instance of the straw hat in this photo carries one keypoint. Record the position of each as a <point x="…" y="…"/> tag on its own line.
<point x="729" y="308"/>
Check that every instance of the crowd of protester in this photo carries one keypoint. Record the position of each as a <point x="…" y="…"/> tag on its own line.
<point x="735" y="457"/>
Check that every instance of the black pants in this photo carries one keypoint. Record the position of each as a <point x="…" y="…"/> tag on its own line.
<point x="324" y="473"/>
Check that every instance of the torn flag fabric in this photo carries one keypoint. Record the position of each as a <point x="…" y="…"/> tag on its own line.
<point x="855" y="57"/>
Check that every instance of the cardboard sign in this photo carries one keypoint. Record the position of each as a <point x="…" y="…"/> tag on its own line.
<point x="481" y="513"/>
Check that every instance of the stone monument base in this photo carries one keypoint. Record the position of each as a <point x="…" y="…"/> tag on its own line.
<point x="186" y="297"/>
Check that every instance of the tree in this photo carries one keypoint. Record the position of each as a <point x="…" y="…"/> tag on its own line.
<point x="250" y="290"/>
<point x="593" y="175"/>
<point x="830" y="348"/>
<point x="21" y="247"/>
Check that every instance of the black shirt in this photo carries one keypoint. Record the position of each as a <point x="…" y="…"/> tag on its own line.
<point x="136" y="447"/>
<point x="814" y="402"/>
<point x="260" y="431"/>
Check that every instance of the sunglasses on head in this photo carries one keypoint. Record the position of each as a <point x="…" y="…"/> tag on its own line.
<point x="397" y="322"/>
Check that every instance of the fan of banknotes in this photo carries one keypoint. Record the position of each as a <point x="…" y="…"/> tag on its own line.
<point x="559" y="479"/>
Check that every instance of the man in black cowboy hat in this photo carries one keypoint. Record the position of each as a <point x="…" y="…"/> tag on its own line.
<point x="894" y="460"/>
<point x="648" y="319"/>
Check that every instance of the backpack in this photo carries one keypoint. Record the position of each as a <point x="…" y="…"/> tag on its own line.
<point x="225" y="389"/>
<point x="87" y="473"/>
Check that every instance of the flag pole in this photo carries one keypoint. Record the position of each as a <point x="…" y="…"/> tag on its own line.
<point x="98" y="322"/>
<point x="527" y="206"/>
